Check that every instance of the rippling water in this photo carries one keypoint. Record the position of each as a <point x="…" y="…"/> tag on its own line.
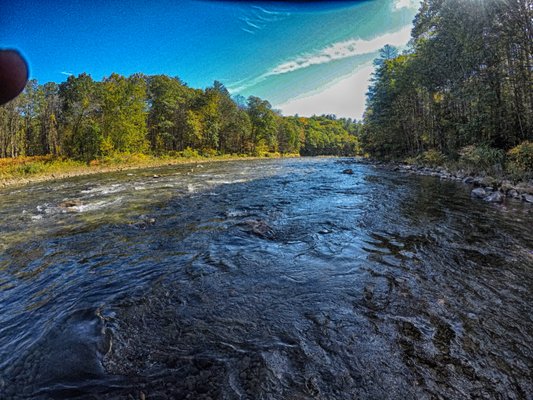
<point x="281" y="279"/>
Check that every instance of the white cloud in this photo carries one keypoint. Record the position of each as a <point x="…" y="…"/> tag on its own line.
<point x="334" y="52"/>
<point x="345" y="49"/>
<point x="66" y="73"/>
<point x="345" y="98"/>
<point x="399" y="4"/>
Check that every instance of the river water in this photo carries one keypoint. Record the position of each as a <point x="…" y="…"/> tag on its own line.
<point x="275" y="279"/>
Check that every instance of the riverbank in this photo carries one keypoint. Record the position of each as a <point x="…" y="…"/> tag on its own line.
<point x="24" y="170"/>
<point x="488" y="188"/>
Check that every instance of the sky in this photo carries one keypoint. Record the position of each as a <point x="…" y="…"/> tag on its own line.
<point x="304" y="57"/>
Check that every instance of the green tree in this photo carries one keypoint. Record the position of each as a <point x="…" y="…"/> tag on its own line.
<point x="124" y="114"/>
<point x="264" y="127"/>
<point x="79" y="122"/>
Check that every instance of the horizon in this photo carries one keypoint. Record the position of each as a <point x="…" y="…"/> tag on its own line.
<point x="272" y="50"/>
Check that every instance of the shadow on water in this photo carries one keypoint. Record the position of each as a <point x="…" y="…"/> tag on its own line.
<point x="282" y="279"/>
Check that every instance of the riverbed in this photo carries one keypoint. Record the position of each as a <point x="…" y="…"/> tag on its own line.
<point x="271" y="279"/>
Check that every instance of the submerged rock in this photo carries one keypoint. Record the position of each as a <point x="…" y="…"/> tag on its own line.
<point x="348" y="171"/>
<point x="259" y="228"/>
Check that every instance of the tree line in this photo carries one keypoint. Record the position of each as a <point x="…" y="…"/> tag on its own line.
<point x="464" y="84"/>
<point x="85" y="119"/>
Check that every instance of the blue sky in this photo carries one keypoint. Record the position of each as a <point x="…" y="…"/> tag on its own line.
<point x="305" y="58"/>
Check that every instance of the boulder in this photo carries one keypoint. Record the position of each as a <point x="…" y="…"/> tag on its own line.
<point x="348" y="171"/>
<point x="513" y="193"/>
<point x="528" y="198"/>
<point x="495" y="197"/>
<point x="478" y="193"/>
<point x="525" y="188"/>
<point x="506" y="185"/>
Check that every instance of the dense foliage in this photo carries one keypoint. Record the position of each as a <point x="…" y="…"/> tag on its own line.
<point x="465" y="81"/>
<point x="160" y="115"/>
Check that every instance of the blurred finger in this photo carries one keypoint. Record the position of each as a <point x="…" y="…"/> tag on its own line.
<point x="13" y="75"/>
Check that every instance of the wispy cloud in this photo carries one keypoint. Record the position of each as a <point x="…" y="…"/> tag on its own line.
<point x="66" y="73"/>
<point x="248" y="31"/>
<point x="271" y="12"/>
<point x="251" y="23"/>
<point x="345" y="49"/>
<point x="256" y="18"/>
<point x="334" y="52"/>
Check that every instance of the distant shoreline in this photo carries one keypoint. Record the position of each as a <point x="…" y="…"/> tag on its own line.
<point x="70" y="171"/>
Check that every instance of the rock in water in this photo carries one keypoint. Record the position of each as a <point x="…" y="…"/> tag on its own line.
<point x="70" y="203"/>
<point x="513" y="193"/>
<point x="495" y="197"/>
<point x="260" y="228"/>
<point x="528" y="198"/>
<point x="479" y="193"/>
<point x="348" y="171"/>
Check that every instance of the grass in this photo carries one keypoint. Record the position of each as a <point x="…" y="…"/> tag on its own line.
<point x="22" y="170"/>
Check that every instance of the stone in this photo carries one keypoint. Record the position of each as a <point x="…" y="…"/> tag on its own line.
<point x="489" y="181"/>
<point x="478" y="192"/>
<point x="523" y="188"/>
<point x="70" y="203"/>
<point x="260" y="228"/>
<point x="495" y="197"/>
<point x="528" y="198"/>
<point x="506" y="185"/>
<point x="513" y="193"/>
<point x="348" y="171"/>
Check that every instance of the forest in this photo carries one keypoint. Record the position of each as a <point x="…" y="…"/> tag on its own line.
<point x="83" y="119"/>
<point x="461" y="93"/>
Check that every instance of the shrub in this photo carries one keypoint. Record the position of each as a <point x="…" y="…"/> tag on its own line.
<point x="522" y="156"/>
<point x="190" y="153"/>
<point x="483" y="158"/>
<point x="30" y="168"/>
<point x="209" y="153"/>
<point x="432" y="157"/>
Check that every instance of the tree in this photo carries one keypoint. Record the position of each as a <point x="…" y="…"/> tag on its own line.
<point x="465" y="81"/>
<point x="124" y="114"/>
<point x="79" y="120"/>
<point x="84" y="119"/>
<point x="169" y="99"/>
<point x="263" y="124"/>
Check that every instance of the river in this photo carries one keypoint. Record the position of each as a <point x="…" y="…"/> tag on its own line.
<point x="275" y="279"/>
